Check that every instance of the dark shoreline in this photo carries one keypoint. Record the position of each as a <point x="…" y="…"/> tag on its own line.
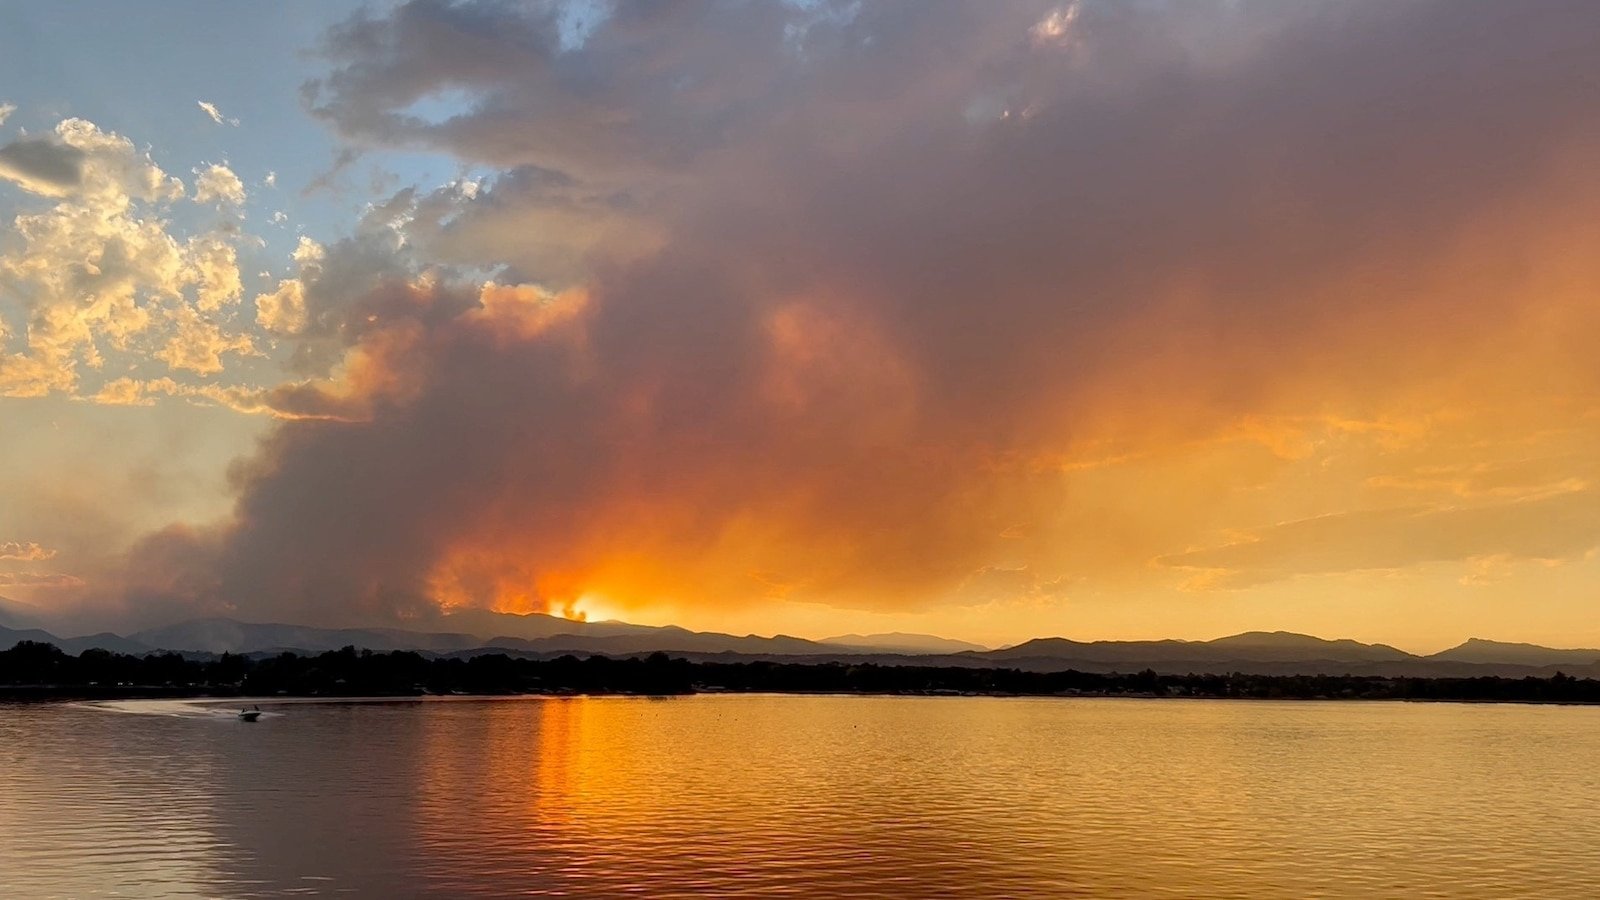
<point x="43" y="694"/>
<point x="42" y="672"/>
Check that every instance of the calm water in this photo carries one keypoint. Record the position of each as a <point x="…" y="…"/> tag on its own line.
<point x="801" y="796"/>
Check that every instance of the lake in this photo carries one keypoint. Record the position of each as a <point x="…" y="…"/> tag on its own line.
<point x="802" y="796"/>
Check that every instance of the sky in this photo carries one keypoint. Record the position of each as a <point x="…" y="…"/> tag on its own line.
<point x="990" y="320"/>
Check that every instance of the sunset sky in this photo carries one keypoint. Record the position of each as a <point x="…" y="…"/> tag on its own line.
<point x="986" y="319"/>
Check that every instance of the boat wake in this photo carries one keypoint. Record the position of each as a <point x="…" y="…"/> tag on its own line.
<point x="183" y="709"/>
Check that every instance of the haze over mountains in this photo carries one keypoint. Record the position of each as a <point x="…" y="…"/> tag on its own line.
<point x="477" y="631"/>
<point x="17" y="615"/>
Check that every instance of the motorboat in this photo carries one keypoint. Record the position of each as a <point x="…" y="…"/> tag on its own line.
<point x="250" y="715"/>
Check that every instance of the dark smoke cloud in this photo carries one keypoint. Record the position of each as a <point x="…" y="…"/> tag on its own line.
<point x="854" y="283"/>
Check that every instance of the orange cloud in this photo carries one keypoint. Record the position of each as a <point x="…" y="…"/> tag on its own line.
<point x="1217" y="312"/>
<point x="25" y="550"/>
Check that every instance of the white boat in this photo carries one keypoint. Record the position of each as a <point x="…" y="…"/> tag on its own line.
<point x="250" y="715"/>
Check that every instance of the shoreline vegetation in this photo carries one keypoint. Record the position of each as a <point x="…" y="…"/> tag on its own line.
<point x="39" y="671"/>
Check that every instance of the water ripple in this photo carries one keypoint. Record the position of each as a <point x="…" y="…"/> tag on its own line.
<point x="764" y="796"/>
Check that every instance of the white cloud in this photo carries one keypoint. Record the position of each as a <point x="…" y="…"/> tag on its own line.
<point x="196" y="343"/>
<point x="283" y="309"/>
<point x="80" y="160"/>
<point x="218" y="184"/>
<point x="211" y="110"/>
<point x="6" y="109"/>
<point x="129" y="392"/>
<point x="214" y="269"/>
<point x="102" y="271"/>
<point x="308" y="252"/>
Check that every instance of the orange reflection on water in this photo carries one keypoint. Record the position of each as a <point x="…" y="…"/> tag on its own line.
<point x="805" y="796"/>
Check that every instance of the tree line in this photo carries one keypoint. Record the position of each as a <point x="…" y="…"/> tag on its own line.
<point x="32" y="669"/>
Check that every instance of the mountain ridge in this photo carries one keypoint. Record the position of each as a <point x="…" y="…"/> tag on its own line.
<point x="537" y="634"/>
<point x="903" y="641"/>
<point x="1483" y="649"/>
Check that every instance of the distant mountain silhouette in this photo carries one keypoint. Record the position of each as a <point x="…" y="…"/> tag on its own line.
<point x="9" y="637"/>
<point x="672" y="640"/>
<point x="1478" y="650"/>
<point x="1101" y="651"/>
<point x="1269" y="645"/>
<point x="471" y="633"/>
<point x="217" y="635"/>
<point x="899" y="642"/>
<point x="1265" y="652"/>
<point x="533" y="632"/>
<point x="486" y="624"/>
<point x="530" y="632"/>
